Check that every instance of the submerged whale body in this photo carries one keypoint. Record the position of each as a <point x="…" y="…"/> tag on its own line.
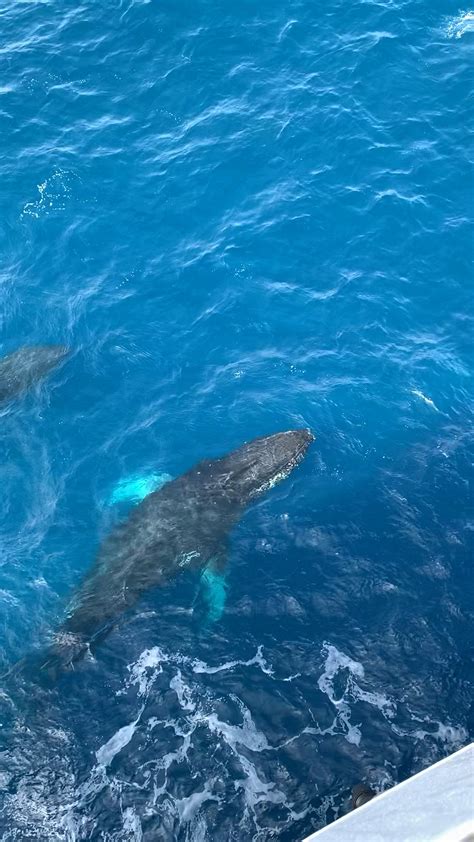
<point x="26" y="366"/>
<point x="183" y="525"/>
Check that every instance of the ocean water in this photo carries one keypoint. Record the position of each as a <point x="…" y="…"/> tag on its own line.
<point x="242" y="218"/>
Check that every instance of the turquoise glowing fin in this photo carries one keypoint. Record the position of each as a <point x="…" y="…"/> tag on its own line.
<point x="135" y="488"/>
<point x="213" y="593"/>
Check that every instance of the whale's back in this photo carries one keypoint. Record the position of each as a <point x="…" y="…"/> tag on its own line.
<point x="23" y="368"/>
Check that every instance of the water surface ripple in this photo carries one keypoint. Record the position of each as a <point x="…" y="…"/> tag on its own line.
<point x="242" y="218"/>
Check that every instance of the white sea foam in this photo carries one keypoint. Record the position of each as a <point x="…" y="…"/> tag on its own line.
<point x="183" y="692"/>
<point x="256" y="790"/>
<point x="459" y="25"/>
<point x="199" y="711"/>
<point x="377" y="700"/>
<point x="423" y="397"/>
<point x="54" y="192"/>
<point x="450" y="735"/>
<point x="335" y="662"/>
<point x="246" y="734"/>
<point x="144" y="672"/>
<point x="132" y="825"/>
<point x="258" y="659"/>
<point x="188" y="807"/>
<point x="285" y="29"/>
<point x="235" y="740"/>
<point x="106" y="753"/>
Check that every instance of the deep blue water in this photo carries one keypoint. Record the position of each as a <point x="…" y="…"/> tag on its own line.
<point x="242" y="218"/>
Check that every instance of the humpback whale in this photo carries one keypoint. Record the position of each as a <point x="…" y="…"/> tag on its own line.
<point x="183" y="525"/>
<point x="26" y="366"/>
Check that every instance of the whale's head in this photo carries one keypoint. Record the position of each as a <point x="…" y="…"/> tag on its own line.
<point x="33" y="362"/>
<point x="261" y="463"/>
<point x="36" y="359"/>
<point x="51" y="355"/>
<point x="23" y="368"/>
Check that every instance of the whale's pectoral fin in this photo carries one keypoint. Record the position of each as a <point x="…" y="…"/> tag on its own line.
<point x="213" y="589"/>
<point x="133" y="489"/>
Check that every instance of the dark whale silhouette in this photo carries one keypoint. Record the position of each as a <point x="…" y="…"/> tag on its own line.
<point x="185" y="524"/>
<point x="26" y="366"/>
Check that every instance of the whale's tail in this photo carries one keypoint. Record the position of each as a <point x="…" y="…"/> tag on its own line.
<point x="47" y="665"/>
<point x="66" y="649"/>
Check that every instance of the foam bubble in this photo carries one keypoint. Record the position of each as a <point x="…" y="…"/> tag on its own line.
<point x="183" y="692"/>
<point x="258" y="659"/>
<point x="106" y="753"/>
<point x="255" y="789"/>
<point x="188" y="807"/>
<point x="140" y="675"/>
<point x="201" y="712"/>
<point x="337" y="661"/>
<point x="460" y="24"/>
<point x="246" y="734"/>
<point x="54" y="193"/>
<point x="132" y="825"/>
<point x="447" y="734"/>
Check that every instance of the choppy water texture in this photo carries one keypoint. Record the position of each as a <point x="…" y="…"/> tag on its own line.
<point x="242" y="218"/>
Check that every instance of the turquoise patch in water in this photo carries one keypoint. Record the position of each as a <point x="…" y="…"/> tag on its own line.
<point x="214" y="595"/>
<point x="135" y="488"/>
